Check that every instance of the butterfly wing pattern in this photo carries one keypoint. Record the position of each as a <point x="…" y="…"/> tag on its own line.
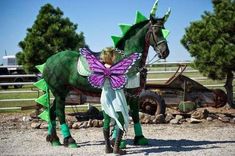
<point x="96" y="79"/>
<point x="116" y="73"/>
<point x="118" y="78"/>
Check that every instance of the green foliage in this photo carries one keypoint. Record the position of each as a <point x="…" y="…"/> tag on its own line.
<point x="211" y="40"/>
<point x="50" y="33"/>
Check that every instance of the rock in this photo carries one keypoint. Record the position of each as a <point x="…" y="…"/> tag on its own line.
<point x="100" y="123"/>
<point x="146" y="119"/>
<point x="152" y="117"/>
<point x="213" y="116"/>
<point x="202" y="114"/>
<point x="76" y="125"/>
<point x="95" y="123"/>
<point x="221" y="115"/>
<point x="182" y="121"/>
<point x="224" y="119"/>
<point x="209" y="118"/>
<point x="84" y="125"/>
<point x="71" y="118"/>
<point x="159" y="119"/>
<point x="70" y="124"/>
<point x="90" y="123"/>
<point x="193" y="120"/>
<point x="168" y="117"/>
<point x="35" y="125"/>
<point x="174" y="121"/>
<point x="178" y="117"/>
<point x="232" y="120"/>
<point x="141" y="115"/>
<point x="26" y="118"/>
<point x="44" y="125"/>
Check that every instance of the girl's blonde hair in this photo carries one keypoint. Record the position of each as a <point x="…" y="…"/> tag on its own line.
<point x="107" y="55"/>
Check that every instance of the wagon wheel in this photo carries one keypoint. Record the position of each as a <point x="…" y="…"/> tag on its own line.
<point x="152" y="103"/>
<point x="220" y="98"/>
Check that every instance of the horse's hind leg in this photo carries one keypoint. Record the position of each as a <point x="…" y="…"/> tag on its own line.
<point x="60" y="113"/>
<point x="52" y="136"/>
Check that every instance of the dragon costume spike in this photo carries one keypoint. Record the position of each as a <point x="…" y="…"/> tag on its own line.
<point x="44" y="115"/>
<point x="40" y="67"/>
<point x="43" y="100"/>
<point x="124" y="28"/>
<point x="115" y="39"/>
<point x="165" y="33"/>
<point x="41" y="84"/>
<point x="139" y="17"/>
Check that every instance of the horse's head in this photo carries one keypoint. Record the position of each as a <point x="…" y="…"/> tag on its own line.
<point x="157" y="33"/>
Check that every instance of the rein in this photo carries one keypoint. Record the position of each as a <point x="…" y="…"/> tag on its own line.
<point x="142" y="69"/>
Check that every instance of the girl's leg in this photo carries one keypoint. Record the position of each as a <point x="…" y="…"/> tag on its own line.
<point x="116" y="148"/>
<point x="106" y="132"/>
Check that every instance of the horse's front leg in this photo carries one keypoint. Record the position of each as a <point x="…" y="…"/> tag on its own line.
<point x="139" y="137"/>
<point x="52" y="136"/>
<point x="60" y="113"/>
<point x="134" y="110"/>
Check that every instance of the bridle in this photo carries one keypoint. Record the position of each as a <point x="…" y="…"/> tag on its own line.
<point x="151" y="34"/>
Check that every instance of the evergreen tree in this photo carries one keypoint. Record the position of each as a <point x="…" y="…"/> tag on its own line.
<point x="50" y="33"/>
<point x="211" y="41"/>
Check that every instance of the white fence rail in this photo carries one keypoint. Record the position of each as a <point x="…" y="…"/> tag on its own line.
<point x="163" y="71"/>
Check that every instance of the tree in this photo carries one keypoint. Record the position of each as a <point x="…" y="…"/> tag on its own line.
<point x="211" y="41"/>
<point x="50" y="33"/>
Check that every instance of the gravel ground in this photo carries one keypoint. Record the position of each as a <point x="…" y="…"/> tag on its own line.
<point x="207" y="139"/>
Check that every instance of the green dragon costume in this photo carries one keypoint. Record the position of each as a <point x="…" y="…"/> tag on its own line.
<point x="60" y="75"/>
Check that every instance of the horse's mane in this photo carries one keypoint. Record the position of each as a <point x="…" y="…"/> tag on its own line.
<point x="128" y="31"/>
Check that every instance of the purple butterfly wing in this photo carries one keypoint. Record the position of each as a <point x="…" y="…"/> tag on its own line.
<point x="117" y="81"/>
<point x="118" y="71"/>
<point x="94" y="64"/>
<point x="96" y="79"/>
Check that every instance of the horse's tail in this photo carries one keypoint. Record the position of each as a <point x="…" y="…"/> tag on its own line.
<point x="45" y="98"/>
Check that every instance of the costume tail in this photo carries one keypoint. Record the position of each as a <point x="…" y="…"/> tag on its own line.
<point x="45" y="98"/>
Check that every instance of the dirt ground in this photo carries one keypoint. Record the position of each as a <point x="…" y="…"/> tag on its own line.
<point x="209" y="138"/>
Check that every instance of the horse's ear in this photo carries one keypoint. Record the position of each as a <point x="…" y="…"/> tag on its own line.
<point x="167" y="14"/>
<point x="152" y="19"/>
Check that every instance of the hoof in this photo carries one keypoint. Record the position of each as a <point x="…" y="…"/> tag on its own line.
<point x="119" y="152"/>
<point x="122" y="143"/>
<point x="53" y="139"/>
<point x="55" y="143"/>
<point x="140" y="140"/>
<point x="108" y="150"/>
<point x="73" y="145"/>
<point x="70" y="142"/>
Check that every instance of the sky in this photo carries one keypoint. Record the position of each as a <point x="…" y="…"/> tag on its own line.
<point x="99" y="19"/>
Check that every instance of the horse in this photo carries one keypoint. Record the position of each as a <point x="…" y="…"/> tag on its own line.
<point x="60" y="74"/>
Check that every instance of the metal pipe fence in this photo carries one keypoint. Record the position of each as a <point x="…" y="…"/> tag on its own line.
<point x="150" y="72"/>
